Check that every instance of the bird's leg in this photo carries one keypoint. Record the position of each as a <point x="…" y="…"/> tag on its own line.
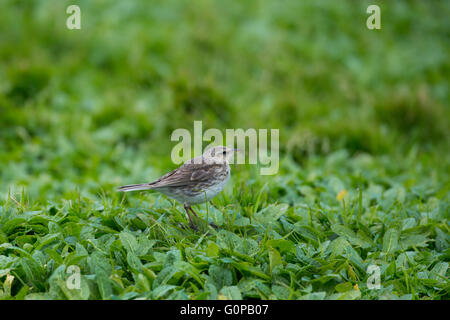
<point x="192" y="210"/>
<point x="211" y="224"/>
<point x="186" y="208"/>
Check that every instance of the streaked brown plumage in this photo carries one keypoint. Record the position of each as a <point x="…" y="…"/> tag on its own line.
<point x="196" y="181"/>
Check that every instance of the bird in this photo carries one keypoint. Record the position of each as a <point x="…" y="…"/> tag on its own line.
<point x="196" y="181"/>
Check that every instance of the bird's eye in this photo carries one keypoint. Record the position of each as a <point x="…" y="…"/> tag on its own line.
<point x="224" y="152"/>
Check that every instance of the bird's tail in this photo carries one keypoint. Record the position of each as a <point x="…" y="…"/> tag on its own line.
<point x="134" y="187"/>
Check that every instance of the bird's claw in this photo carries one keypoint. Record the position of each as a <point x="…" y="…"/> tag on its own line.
<point x="193" y="226"/>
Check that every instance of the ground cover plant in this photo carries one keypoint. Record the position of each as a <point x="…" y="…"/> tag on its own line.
<point x="364" y="164"/>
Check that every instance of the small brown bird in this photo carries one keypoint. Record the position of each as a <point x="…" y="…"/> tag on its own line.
<point x="198" y="180"/>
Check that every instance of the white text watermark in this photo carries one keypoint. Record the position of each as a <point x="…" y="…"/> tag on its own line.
<point x="259" y="151"/>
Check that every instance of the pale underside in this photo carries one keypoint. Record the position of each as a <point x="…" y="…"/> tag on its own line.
<point x="204" y="192"/>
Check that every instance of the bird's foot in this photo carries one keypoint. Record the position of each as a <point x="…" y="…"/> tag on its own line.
<point x="193" y="226"/>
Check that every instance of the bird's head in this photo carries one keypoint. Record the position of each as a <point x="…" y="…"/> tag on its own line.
<point x="219" y="154"/>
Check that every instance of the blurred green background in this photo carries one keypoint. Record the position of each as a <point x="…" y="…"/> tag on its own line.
<point x="363" y="119"/>
<point x="94" y="108"/>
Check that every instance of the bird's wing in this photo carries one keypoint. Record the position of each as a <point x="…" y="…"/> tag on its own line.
<point x="187" y="174"/>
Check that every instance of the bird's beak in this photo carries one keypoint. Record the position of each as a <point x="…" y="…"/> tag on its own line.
<point x="236" y="150"/>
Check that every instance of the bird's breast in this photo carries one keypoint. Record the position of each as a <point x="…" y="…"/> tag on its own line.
<point x="211" y="188"/>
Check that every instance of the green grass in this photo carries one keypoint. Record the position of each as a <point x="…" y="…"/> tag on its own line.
<point x="82" y="112"/>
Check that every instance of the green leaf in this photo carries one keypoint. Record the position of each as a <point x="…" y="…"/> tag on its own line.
<point x="38" y="296"/>
<point x="22" y="293"/>
<point x="271" y="213"/>
<point x="338" y="246"/>
<point x="274" y="258"/>
<point x="212" y="291"/>
<point x="129" y="241"/>
<point x="283" y="245"/>
<point x="390" y="241"/>
<point x="349" y="234"/>
<point x="164" y="276"/>
<point x="49" y="238"/>
<point x="247" y="247"/>
<point x="54" y="255"/>
<point x="281" y="292"/>
<point x="314" y="296"/>
<point x="172" y="256"/>
<point x="212" y="250"/>
<point x="246" y="267"/>
<point x="230" y="293"/>
<point x="144" y="245"/>
<point x="13" y="224"/>
<point x="442" y="240"/>
<point x="142" y="283"/>
<point x="161" y="291"/>
<point x="390" y="269"/>
<point x="439" y="271"/>
<point x="104" y="285"/>
<point x="408" y="223"/>
<point x="262" y="289"/>
<point x="100" y="266"/>
<point x="3" y="237"/>
<point x="185" y="267"/>
<point x="220" y="276"/>
<point x="228" y="240"/>
<point x="307" y="232"/>
<point x="34" y="273"/>
<point x="414" y="240"/>
<point x="348" y="295"/>
<point x="134" y="262"/>
<point x="306" y="260"/>
<point x="343" y="287"/>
